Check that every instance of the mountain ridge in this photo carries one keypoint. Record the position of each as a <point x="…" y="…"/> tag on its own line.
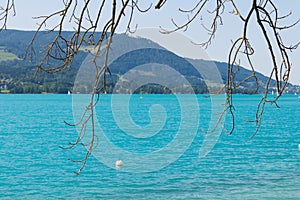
<point x="16" y="73"/>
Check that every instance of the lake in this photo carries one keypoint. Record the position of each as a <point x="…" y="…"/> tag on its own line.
<point x="160" y="149"/>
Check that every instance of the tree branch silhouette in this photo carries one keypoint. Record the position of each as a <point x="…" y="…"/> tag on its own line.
<point x="87" y="24"/>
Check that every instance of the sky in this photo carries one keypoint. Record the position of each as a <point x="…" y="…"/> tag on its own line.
<point x="218" y="50"/>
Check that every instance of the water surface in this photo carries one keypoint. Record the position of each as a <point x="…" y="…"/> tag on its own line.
<point x="32" y="166"/>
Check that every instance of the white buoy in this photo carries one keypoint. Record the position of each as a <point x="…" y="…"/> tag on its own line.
<point x="119" y="163"/>
<point x="299" y="146"/>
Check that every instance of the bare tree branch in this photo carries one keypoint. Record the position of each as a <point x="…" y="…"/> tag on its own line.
<point x="5" y="11"/>
<point x="87" y="24"/>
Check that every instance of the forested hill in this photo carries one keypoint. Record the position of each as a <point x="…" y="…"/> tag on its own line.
<point x="16" y="73"/>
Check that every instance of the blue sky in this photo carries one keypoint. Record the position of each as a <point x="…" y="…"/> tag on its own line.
<point x="218" y="50"/>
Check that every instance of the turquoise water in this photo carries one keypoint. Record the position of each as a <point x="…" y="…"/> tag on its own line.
<point x="32" y="166"/>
